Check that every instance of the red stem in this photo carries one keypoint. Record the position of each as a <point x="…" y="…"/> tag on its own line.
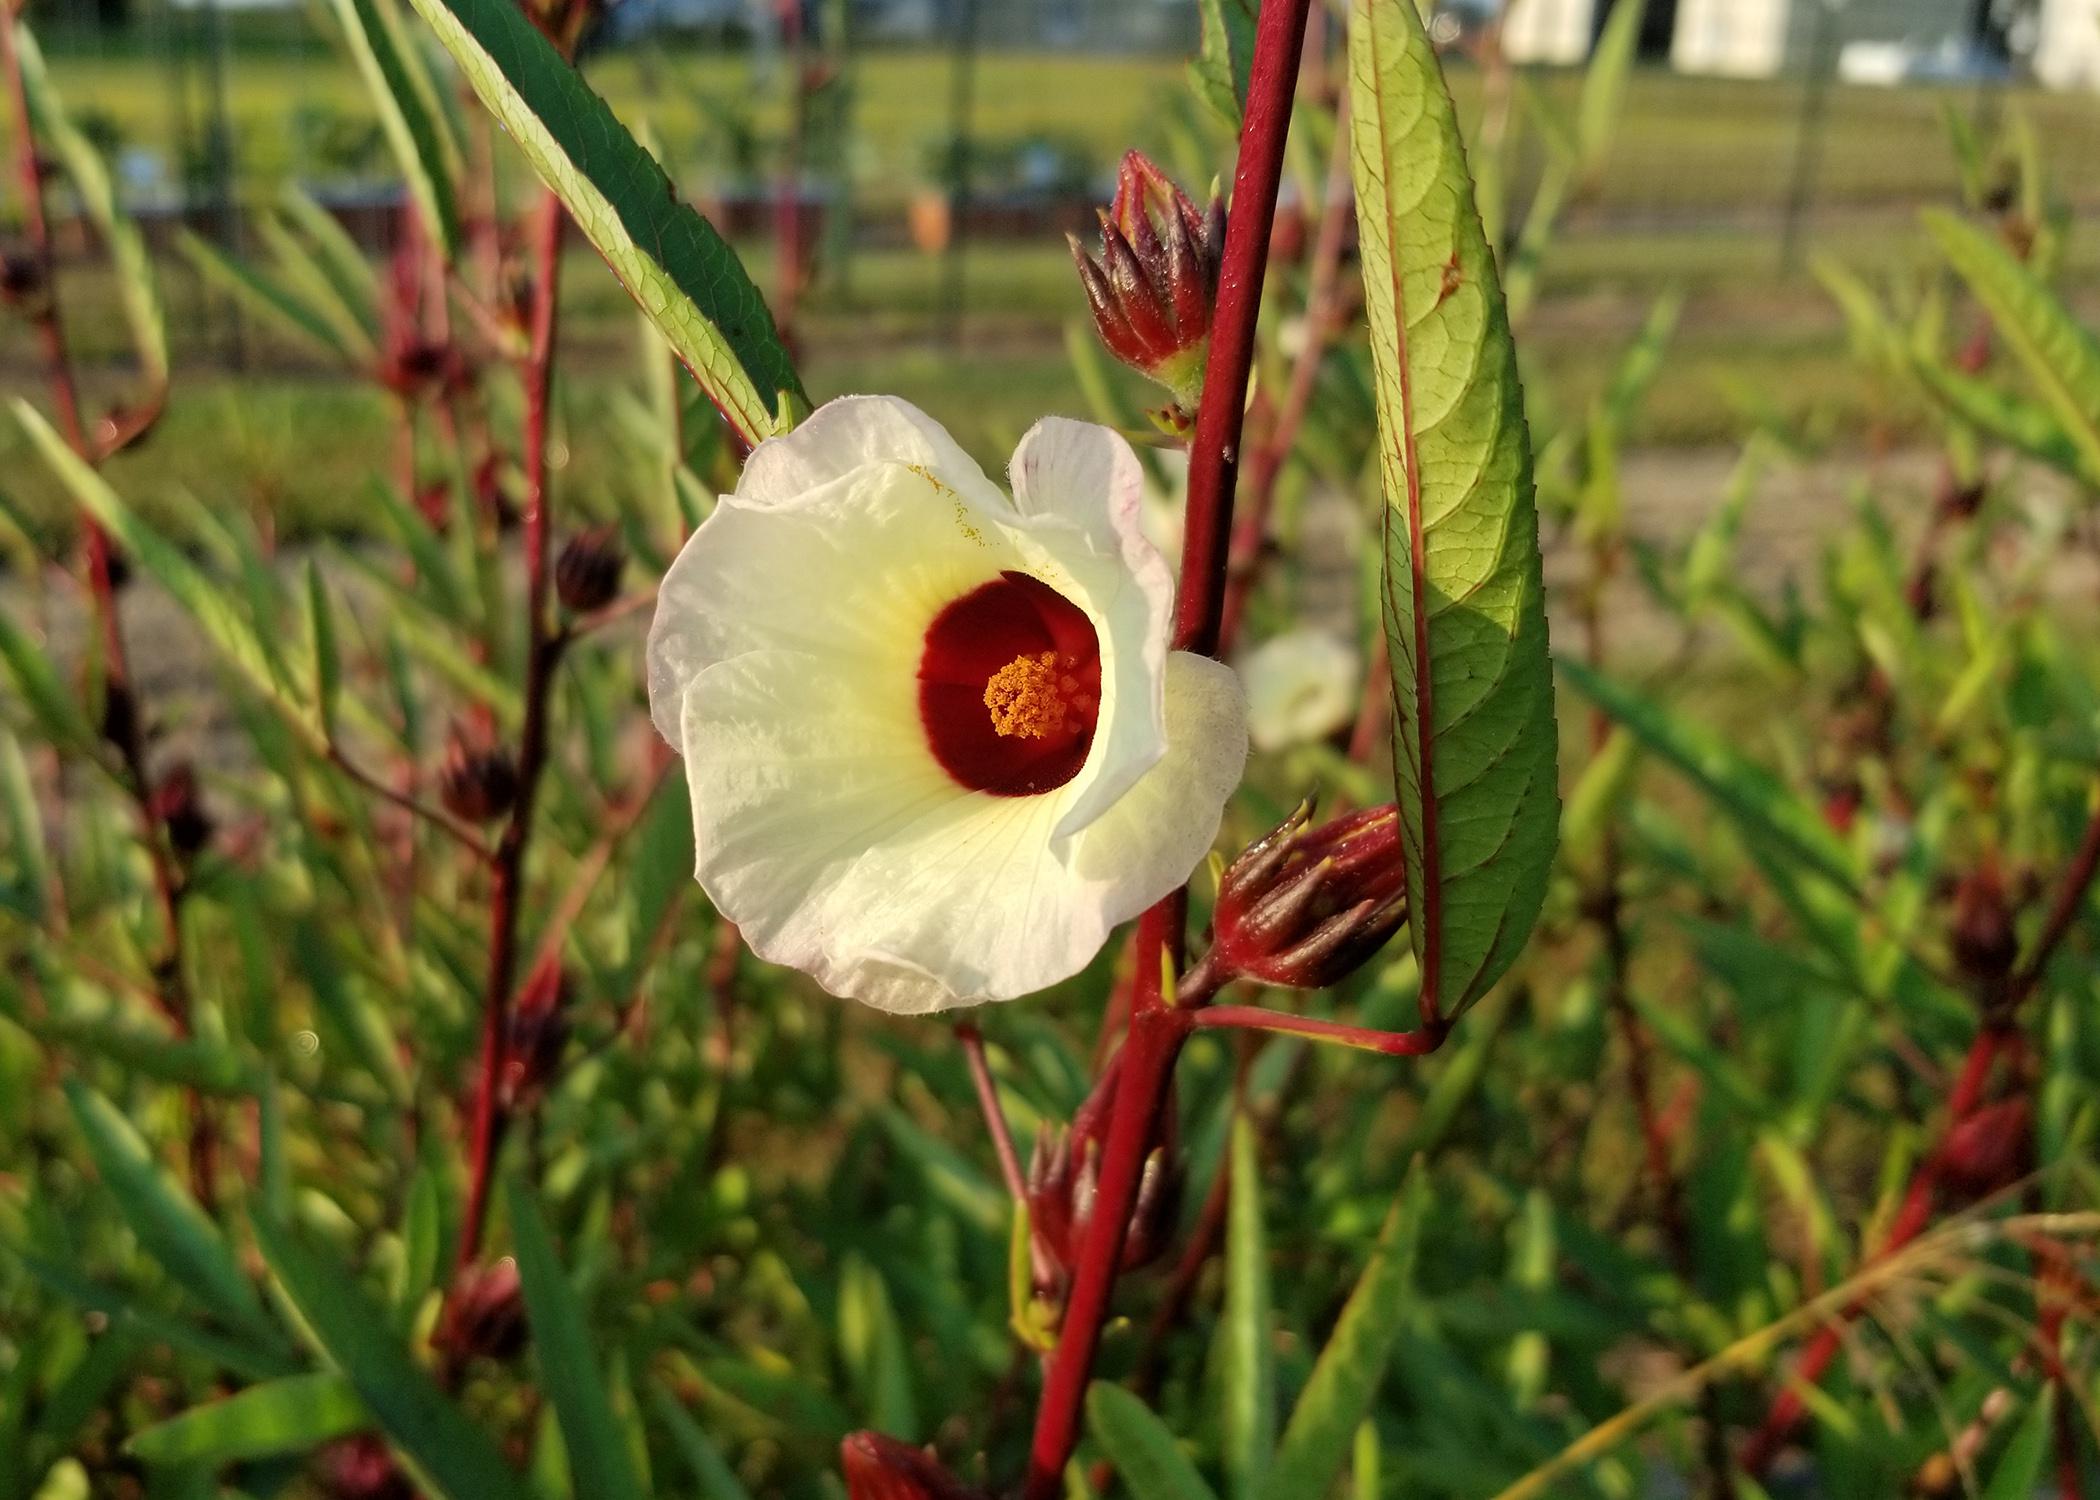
<point x="1158" y="1029"/>
<point x="542" y="653"/>
<point x="1362" y="1038"/>
<point x="1911" y="1219"/>
<point x="1321" y="320"/>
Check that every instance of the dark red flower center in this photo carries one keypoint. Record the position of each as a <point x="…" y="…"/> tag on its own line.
<point x="1010" y="687"/>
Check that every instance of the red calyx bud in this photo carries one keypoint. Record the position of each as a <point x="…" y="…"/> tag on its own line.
<point x="881" y="1468"/>
<point x="1152" y="290"/>
<point x="360" y="1468"/>
<point x="539" y="1031"/>
<point x="20" y="279"/>
<point x="176" y="805"/>
<point x="587" y="574"/>
<point x="1990" y="1150"/>
<point x="477" y="780"/>
<point x="1985" y="946"/>
<point x="1064" y="1175"/>
<point x="1305" y="907"/>
<point x="120" y="715"/>
<point x="485" y="1315"/>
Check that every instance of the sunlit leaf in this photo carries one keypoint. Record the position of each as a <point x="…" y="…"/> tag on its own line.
<point x="1465" y="607"/>
<point x="1140" y="1446"/>
<point x="291" y="1415"/>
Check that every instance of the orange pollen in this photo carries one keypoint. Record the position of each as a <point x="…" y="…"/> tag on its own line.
<point x="1029" y="697"/>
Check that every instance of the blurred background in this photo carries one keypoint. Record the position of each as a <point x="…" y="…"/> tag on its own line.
<point x="940" y="149"/>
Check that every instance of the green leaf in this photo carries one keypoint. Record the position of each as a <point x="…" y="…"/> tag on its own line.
<point x="717" y="1481"/>
<point x="2016" y="422"/>
<point x="1141" y="1448"/>
<point x="302" y="275"/>
<point x="291" y="1415"/>
<point x="1248" y="1412"/>
<point x="685" y="277"/>
<point x="137" y="287"/>
<point x="170" y="1226"/>
<point x="37" y="681"/>
<point x="1225" y="56"/>
<point x="277" y="303"/>
<point x="874" y="1350"/>
<point x="327" y="658"/>
<point x="1465" y="613"/>
<point x="1604" y="85"/>
<point x="449" y="1455"/>
<point x="2062" y="357"/>
<point x="404" y="113"/>
<point x="1346" y="1375"/>
<point x="30" y="869"/>
<point x="196" y="1062"/>
<point x="1751" y="795"/>
<point x="335" y="251"/>
<point x="2019" y="1472"/>
<point x="599" y="1463"/>
<point x="206" y="601"/>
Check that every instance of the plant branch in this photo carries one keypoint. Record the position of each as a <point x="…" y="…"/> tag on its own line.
<point x="972" y="1041"/>
<point x="542" y="654"/>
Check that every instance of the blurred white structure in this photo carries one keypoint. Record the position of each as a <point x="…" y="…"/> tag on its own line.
<point x="1867" y="41"/>
<point x="2067" y="44"/>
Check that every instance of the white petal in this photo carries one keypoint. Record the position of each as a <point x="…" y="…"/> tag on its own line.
<point x="1146" y="845"/>
<point x="1076" y="476"/>
<point x="825" y="832"/>
<point x="850" y="433"/>
<point x="858" y="567"/>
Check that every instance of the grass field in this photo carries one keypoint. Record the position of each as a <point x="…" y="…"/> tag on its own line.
<point x="1692" y="201"/>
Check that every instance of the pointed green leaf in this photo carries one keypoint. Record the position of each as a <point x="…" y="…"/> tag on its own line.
<point x="1465" y="607"/>
<point x="1346" y="1376"/>
<point x="403" y="114"/>
<point x="875" y="1353"/>
<point x="711" y="1471"/>
<point x="1225" y="56"/>
<point x="227" y="629"/>
<point x="170" y="1226"/>
<point x="1752" y="796"/>
<point x="291" y="1415"/>
<point x="448" y="1455"/>
<point x="335" y="251"/>
<point x="1249" y="1407"/>
<point x="29" y="867"/>
<point x="303" y="276"/>
<point x="2015" y="421"/>
<point x="569" y="1369"/>
<point x="1140" y="1446"/>
<point x="137" y="287"/>
<point x="327" y="659"/>
<point x="670" y="259"/>
<point x="2019" y="1472"/>
<point x="276" y="303"/>
<point x="2061" y="355"/>
<point x="1604" y="85"/>
<point x="29" y="665"/>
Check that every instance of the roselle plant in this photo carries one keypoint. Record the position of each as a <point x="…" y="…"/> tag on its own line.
<point x="398" y="1115"/>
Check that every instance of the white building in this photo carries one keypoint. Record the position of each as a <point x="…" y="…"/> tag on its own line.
<point x="1869" y="40"/>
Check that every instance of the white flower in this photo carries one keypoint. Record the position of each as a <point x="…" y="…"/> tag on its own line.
<point x="1302" y="686"/>
<point x="937" y="744"/>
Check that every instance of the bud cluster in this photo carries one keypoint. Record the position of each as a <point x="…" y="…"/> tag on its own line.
<point x="1305" y="907"/>
<point x="587" y="573"/>
<point x="1064" y="1178"/>
<point x="539" y="1033"/>
<point x="478" y="779"/>
<point x="485" y="1315"/>
<point x="177" y="807"/>
<point x="1152" y="291"/>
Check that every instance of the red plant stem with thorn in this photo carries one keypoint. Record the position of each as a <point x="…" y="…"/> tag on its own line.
<point x="1157" y="1027"/>
<point x="542" y="654"/>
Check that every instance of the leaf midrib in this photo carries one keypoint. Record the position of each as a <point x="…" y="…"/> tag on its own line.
<point x="1428" y="910"/>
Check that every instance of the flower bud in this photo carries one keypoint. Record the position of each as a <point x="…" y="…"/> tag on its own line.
<point x="1989" y="1151"/>
<point x="1982" y="936"/>
<point x="539" y="1032"/>
<point x="485" y="1315"/>
<point x="587" y="574"/>
<point x="1064" y="1179"/>
<point x="1152" y="290"/>
<point x="478" y="780"/>
<point x="176" y="806"/>
<point x="361" y="1468"/>
<point x="21" y="278"/>
<point x="1307" y="907"/>
<point x="120" y="714"/>
<point x="881" y="1468"/>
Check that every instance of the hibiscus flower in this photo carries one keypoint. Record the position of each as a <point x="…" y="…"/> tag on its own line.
<point x="937" y="744"/>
